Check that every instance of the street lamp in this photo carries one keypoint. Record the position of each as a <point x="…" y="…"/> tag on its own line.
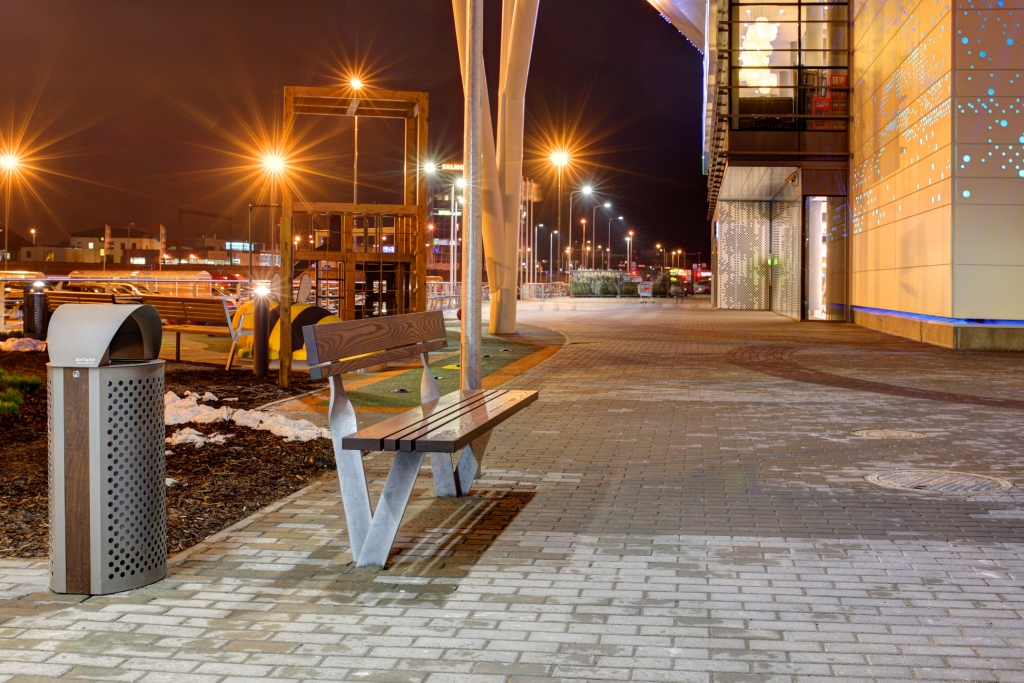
<point x="629" y="252"/>
<point x="593" y="222"/>
<point x="551" y="253"/>
<point x="33" y="231"/>
<point x="356" y="84"/>
<point x="560" y="159"/>
<point x="9" y="163"/>
<point x="533" y="275"/>
<point x="610" y="240"/>
<point x="587" y="190"/>
<point x="583" y="243"/>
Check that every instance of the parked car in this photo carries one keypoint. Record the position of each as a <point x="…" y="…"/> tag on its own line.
<point x="702" y="286"/>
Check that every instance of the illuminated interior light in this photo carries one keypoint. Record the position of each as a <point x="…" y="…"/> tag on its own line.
<point x="755" y="54"/>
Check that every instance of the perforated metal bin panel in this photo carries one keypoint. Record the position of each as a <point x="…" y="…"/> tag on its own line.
<point x="109" y="534"/>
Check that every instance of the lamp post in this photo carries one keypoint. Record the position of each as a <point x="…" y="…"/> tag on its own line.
<point x="610" y="240"/>
<point x="551" y="254"/>
<point x="9" y="163"/>
<point x="583" y="244"/>
<point x="629" y="252"/>
<point x="33" y="231"/>
<point x="356" y="84"/>
<point x="593" y="222"/>
<point x="533" y="277"/>
<point x="560" y="158"/>
<point x="587" y="190"/>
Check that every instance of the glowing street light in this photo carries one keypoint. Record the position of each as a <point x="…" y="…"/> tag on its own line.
<point x="430" y="167"/>
<point x="560" y="158"/>
<point x="585" y="190"/>
<point x="356" y="83"/>
<point x="9" y="162"/>
<point x="274" y="163"/>
<point x="33" y="231"/>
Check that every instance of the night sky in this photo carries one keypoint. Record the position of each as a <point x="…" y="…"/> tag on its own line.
<point x="135" y="108"/>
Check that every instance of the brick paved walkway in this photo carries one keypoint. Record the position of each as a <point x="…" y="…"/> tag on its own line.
<point x="686" y="502"/>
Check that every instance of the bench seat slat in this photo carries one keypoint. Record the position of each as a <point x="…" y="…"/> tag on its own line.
<point x="457" y="434"/>
<point x="470" y="401"/>
<point x="373" y="438"/>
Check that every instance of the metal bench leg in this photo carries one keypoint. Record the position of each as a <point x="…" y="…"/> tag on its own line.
<point x="177" y="346"/>
<point x="354" y="494"/>
<point x="444" y="476"/>
<point x="390" y="509"/>
<point x="469" y="464"/>
<point x="231" y="354"/>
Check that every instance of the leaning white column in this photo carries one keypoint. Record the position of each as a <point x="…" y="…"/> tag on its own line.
<point x="472" y="240"/>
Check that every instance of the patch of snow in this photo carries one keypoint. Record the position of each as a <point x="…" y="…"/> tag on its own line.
<point x="23" y="344"/>
<point x="291" y="430"/>
<point x="208" y="397"/>
<point x="185" y="436"/>
<point x="170" y="481"/>
<point x="195" y="437"/>
<point x="178" y="410"/>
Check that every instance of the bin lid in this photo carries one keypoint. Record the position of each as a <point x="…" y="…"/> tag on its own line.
<point x="91" y="335"/>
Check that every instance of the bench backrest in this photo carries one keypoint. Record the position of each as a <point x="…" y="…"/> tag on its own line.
<point x="210" y="310"/>
<point x="335" y="348"/>
<point x="56" y="297"/>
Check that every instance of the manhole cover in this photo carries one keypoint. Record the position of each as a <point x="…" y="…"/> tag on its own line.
<point x="888" y="434"/>
<point x="937" y="481"/>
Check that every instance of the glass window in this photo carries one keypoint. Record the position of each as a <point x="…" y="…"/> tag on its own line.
<point x="787" y="61"/>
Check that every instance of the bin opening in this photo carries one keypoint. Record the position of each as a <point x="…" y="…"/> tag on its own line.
<point x="128" y="343"/>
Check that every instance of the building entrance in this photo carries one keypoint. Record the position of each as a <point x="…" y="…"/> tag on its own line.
<point x="825" y="250"/>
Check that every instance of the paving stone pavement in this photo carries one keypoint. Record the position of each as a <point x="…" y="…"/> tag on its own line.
<point x="685" y="502"/>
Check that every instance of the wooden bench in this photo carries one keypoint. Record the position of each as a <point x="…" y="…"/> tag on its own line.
<point x="57" y="297"/>
<point x="460" y="422"/>
<point x="198" y="315"/>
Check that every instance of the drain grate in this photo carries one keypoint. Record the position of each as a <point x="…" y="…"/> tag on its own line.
<point x="938" y="481"/>
<point x="888" y="434"/>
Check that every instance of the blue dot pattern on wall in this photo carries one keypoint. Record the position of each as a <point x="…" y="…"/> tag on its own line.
<point x="989" y="105"/>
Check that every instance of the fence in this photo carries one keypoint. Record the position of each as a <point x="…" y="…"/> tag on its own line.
<point x="443" y="296"/>
<point x="544" y="290"/>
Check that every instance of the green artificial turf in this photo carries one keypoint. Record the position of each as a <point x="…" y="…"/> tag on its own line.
<point x="383" y="395"/>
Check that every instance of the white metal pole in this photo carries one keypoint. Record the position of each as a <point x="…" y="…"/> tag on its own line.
<point x="472" y="251"/>
<point x="355" y="165"/>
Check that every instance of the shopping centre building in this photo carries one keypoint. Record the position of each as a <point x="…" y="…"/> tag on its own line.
<point x="864" y="162"/>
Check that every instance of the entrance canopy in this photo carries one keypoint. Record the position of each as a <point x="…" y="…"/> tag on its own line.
<point x="689" y="16"/>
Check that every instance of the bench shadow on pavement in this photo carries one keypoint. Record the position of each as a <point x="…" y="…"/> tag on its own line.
<point x="435" y="547"/>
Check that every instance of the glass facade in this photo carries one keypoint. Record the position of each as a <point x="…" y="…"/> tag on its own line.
<point x="788" y="65"/>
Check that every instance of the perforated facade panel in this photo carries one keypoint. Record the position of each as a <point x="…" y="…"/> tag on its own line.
<point x="743" y="243"/>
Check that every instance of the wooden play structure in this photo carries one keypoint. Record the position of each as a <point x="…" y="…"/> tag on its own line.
<point x="366" y="260"/>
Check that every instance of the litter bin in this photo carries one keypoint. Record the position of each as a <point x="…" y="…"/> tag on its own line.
<point x="36" y="315"/>
<point x="108" y="501"/>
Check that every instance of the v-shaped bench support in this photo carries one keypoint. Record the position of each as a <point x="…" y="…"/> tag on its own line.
<point x="372" y="533"/>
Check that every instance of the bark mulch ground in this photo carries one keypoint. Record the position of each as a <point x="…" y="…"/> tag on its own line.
<point x="218" y="484"/>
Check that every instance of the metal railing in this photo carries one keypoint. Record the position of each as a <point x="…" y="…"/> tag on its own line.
<point x="544" y="290"/>
<point x="443" y="296"/>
